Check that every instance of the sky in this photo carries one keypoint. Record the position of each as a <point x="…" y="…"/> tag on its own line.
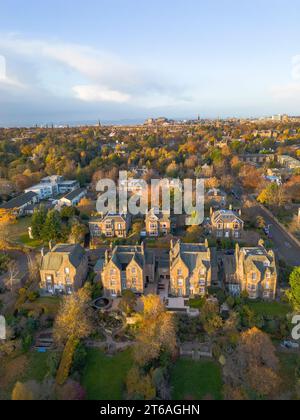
<point x="126" y="60"/>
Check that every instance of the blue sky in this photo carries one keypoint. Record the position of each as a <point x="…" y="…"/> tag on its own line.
<point x="129" y="59"/>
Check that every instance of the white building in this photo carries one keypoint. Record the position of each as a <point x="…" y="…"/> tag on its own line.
<point x="52" y="186"/>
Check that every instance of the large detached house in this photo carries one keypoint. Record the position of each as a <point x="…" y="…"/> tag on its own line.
<point x="158" y="224"/>
<point x="110" y="226"/>
<point x="190" y="269"/>
<point x="63" y="269"/>
<point x="227" y="224"/>
<point x="256" y="272"/>
<point x="127" y="268"/>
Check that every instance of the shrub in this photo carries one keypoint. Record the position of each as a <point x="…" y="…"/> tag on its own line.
<point x="66" y="361"/>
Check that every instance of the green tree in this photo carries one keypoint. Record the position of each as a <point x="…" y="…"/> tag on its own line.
<point x="52" y="227"/>
<point x="294" y="293"/>
<point x="38" y="221"/>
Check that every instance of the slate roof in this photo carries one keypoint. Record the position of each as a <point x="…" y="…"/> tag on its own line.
<point x="74" y="194"/>
<point x="19" y="201"/>
<point x="226" y="216"/>
<point x="122" y="256"/>
<point x="55" y="258"/>
<point x="193" y="255"/>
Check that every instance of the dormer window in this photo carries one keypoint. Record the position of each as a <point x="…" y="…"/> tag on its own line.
<point x="254" y="276"/>
<point x="179" y="273"/>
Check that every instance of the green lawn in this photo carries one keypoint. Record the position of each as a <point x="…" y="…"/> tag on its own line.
<point x="104" y="377"/>
<point x="271" y="309"/>
<point x="49" y="305"/>
<point x="288" y="365"/>
<point x="196" y="303"/>
<point x="196" y="380"/>
<point x="37" y="367"/>
<point x="31" y="243"/>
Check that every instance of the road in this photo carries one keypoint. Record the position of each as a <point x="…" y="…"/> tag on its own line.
<point x="287" y="249"/>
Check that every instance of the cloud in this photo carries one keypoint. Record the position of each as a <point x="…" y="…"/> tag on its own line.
<point x="94" y="93"/>
<point x="88" y="74"/>
<point x="5" y="80"/>
<point x="288" y="91"/>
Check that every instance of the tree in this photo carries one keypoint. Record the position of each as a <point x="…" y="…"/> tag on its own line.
<point x="52" y="227"/>
<point x="38" y="222"/>
<point x="157" y="333"/>
<point x="33" y="390"/>
<point x="294" y="293"/>
<point x="74" y="317"/>
<point x="71" y="391"/>
<point x="78" y="232"/>
<point x="253" y="367"/>
<point x="13" y="274"/>
<point x="272" y="195"/>
<point x="7" y="218"/>
<point x="193" y="234"/>
<point x="210" y="318"/>
<point x="139" y="386"/>
<point x="23" y="392"/>
<point x="33" y="268"/>
<point x="128" y="302"/>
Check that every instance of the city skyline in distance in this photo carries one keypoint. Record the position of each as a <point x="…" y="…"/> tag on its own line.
<point x="126" y="61"/>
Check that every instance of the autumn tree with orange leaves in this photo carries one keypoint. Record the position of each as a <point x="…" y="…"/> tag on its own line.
<point x="7" y="218"/>
<point x="251" y="372"/>
<point x="157" y="334"/>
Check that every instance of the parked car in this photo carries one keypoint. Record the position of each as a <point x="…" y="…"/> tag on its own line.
<point x="290" y="345"/>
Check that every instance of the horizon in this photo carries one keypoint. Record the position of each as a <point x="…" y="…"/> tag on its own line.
<point x="125" y="61"/>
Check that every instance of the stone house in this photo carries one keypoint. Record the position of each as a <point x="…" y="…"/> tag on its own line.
<point x="110" y="226"/>
<point x="227" y="224"/>
<point x="128" y="268"/>
<point x="63" y="269"/>
<point x="157" y="224"/>
<point x="256" y="272"/>
<point x="190" y="269"/>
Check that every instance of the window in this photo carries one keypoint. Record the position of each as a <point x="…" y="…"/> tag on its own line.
<point x="133" y="270"/>
<point x="254" y="277"/>
<point x="202" y="272"/>
<point x="67" y="271"/>
<point x="179" y="272"/>
<point x="180" y="283"/>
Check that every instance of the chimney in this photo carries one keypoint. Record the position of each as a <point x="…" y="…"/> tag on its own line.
<point x="43" y="252"/>
<point x="106" y="257"/>
<point x="211" y="211"/>
<point x="230" y="207"/>
<point x="240" y="212"/>
<point x="206" y="243"/>
<point x="50" y="245"/>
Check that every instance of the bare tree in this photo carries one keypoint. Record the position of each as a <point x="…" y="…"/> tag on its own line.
<point x="13" y="274"/>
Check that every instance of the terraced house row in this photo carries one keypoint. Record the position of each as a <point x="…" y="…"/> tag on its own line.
<point x="190" y="271"/>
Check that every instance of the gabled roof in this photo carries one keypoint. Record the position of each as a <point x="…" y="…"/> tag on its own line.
<point x="55" y="258"/>
<point x="192" y="255"/>
<point x="158" y="216"/>
<point x="122" y="256"/>
<point x="226" y="216"/>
